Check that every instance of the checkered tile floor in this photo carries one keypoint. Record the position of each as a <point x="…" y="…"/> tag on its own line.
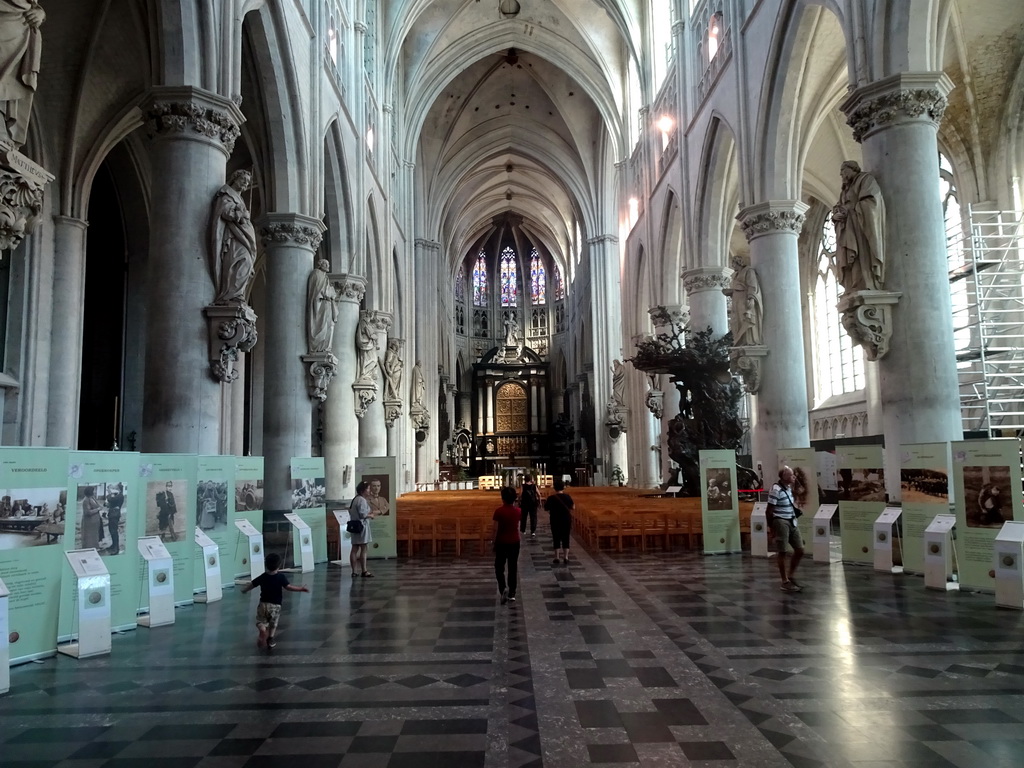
<point x="636" y="659"/>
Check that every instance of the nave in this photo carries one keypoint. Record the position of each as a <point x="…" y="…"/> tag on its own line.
<point x="653" y="659"/>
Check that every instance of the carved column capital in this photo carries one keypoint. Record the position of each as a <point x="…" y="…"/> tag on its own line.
<point x="772" y="217"/>
<point x="706" y="279"/>
<point x="184" y="112"/>
<point x="292" y="229"/>
<point x="21" y="195"/>
<point x="909" y="96"/>
<point x="350" y="288"/>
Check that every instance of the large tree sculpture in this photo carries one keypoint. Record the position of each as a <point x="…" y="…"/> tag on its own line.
<point x="709" y="396"/>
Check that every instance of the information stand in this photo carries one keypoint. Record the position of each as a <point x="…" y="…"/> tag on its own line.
<point x="211" y="568"/>
<point x="92" y="602"/>
<point x="1009" y="557"/>
<point x="160" y="578"/>
<point x="883" y="540"/>
<point x="759" y="530"/>
<point x="302" y="542"/>
<point x="822" y="539"/>
<point x="5" y="642"/>
<point x="938" y="554"/>
<point x="254" y="541"/>
<point x="673" y="490"/>
<point x="345" y="546"/>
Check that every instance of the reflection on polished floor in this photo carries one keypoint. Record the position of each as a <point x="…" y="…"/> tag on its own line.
<point x="645" y="659"/>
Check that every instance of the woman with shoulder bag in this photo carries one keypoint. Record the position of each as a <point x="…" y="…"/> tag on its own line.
<point x="359" y="516"/>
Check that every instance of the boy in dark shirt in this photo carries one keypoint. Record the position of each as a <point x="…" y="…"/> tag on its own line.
<point x="506" y="545"/>
<point x="272" y="585"/>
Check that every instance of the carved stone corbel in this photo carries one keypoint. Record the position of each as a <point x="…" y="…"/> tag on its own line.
<point x="656" y="402"/>
<point x="21" y="195"/>
<point x="231" y="329"/>
<point x="746" y="361"/>
<point x="867" y="318"/>
<point x="322" y="368"/>
<point x="366" y="393"/>
<point x="615" y="420"/>
<point x="392" y="410"/>
<point x="420" y="417"/>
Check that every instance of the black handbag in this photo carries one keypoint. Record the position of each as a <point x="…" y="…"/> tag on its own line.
<point x="354" y="526"/>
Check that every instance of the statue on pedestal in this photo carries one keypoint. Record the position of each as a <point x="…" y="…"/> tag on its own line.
<point x="21" y="46"/>
<point x="511" y="332"/>
<point x="321" y="308"/>
<point x="366" y="349"/>
<point x="232" y="241"/>
<point x="418" y="385"/>
<point x="618" y="382"/>
<point x="393" y="370"/>
<point x="859" y="219"/>
<point x="747" y="308"/>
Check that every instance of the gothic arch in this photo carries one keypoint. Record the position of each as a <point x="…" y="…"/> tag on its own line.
<point x="338" y="240"/>
<point x="665" y="276"/>
<point x="717" y="194"/>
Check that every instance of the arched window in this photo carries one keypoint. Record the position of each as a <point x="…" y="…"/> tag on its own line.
<point x="838" y="366"/>
<point x="715" y="31"/>
<point x="559" y="285"/>
<point x="538" y="279"/>
<point x="661" y="35"/>
<point x="509" y="279"/>
<point x="333" y="35"/>
<point x="959" y="276"/>
<point x="480" y="281"/>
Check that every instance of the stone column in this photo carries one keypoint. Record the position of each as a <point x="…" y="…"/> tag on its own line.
<point x="289" y="240"/>
<point x="896" y="121"/>
<point x="772" y="229"/>
<point x="705" y="298"/>
<point x="373" y="439"/>
<point x="341" y="430"/>
<point x="66" y="334"/>
<point x="193" y="132"/>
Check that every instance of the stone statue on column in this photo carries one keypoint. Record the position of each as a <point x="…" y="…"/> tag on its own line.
<point x="232" y="262"/>
<point x="392" y="367"/>
<point x="418" y="409"/>
<point x="618" y="382"/>
<point x="747" y="307"/>
<point x="232" y="242"/>
<point x="321" y="308"/>
<point x="366" y="349"/>
<point x="21" y="46"/>
<point x="859" y="220"/>
<point x="21" y="180"/>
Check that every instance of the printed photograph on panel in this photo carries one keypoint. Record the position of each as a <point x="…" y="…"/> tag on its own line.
<point x="861" y="484"/>
<point x="212" y="504"/>
<point x="32" y="516"/>
<point x="248" y="495"/>
<point x="719" y="489"/>
<point x="380" y="494"/>
<point x="308" y="493"/>
<point x="802" y="488"/>
<point x="100" y="519"/>
<point x="927" y="486"/>
<point x="165" y="509"/>
<point x="987" y="499"/>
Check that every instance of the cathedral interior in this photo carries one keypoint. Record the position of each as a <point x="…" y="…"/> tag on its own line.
<point x="457" y="232"/>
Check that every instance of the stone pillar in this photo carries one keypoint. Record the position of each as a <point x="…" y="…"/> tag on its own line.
<point x="341" y="431"/>
<point x="772" y="229"/>
<point x="66" y="334"/>
<point x="193" y="132"/>
<point x="705" y="298"/>
<point x="289" y="241"/>
<point x="896" y="121"/>
<point x="373" y="439"/>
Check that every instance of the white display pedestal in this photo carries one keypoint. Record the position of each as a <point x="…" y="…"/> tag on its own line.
<point x="821" y="528"/>
<point x="883" y="540"/>
<point x="211" y="568"/>
<point x="938" y="553"/>
<point x="255" y="544"/>
<point x="673" y="490"/>
<point x="759" y="530"/>
<point x="302" y="542"/>
<point x="160" y="572"/>
<point x="5" y="644"/>
<point x="345" y="548"/>
<point x="1009" y="562"/>
<point x="92" y="600"/>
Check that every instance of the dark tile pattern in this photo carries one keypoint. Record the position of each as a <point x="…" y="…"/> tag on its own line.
<point x="646" y="659"/>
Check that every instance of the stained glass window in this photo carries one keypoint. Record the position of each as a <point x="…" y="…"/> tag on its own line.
<point x="480" y="281"/>
<point x="538" y="279"/>
<point x="559" y="285"/>
<point x="509" y="279"/>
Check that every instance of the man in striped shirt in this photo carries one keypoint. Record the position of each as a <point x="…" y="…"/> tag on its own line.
<point x="782" y="527"/>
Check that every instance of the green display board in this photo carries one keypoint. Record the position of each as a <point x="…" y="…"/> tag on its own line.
<point x="309" y="501"/>
<point x="986" y="483"/>
<point x="924" y="493"/>
<point x="33" y="500"/>
<point x="379" y="472"/>
<point x="861" y="479"/>
<point x="248" y="506"/>
<point x="96" y="482"/>
<point x="216" y="497"/>
<point x="719" y="502"/>
<point x="168" y="483"/>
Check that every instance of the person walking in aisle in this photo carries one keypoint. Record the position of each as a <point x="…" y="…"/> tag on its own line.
<point x="506" y="545"/>
<point x="559" y="506"/>
<point x="782" y="514"/>
<point x="529" y="501"/>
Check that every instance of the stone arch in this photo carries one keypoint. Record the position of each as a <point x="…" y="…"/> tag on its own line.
<point x="668" y="266"/>
<point x="717" y="194"/>
<point x="377" y="287"/>
<point x="338" y="239"/>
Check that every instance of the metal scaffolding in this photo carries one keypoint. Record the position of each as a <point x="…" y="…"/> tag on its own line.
<point x="986" y="273"/>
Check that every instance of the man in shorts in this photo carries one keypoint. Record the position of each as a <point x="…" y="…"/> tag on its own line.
<point x="782" y="526"/>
